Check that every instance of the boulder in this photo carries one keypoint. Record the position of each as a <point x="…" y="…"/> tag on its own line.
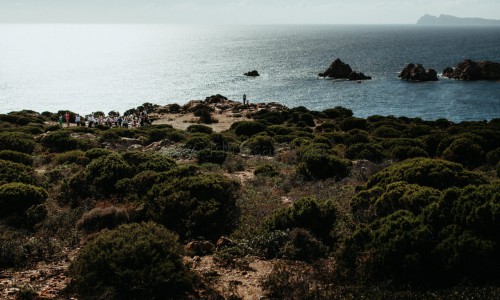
<point x="418" y="73"/>
<point x="471" y="70"/>
<point x="224" y="242"/>
<point x="199" y="248"/>
<point x="338" y="69"/>
<point x="358" y="76"/>
<point x="253" y="73"/>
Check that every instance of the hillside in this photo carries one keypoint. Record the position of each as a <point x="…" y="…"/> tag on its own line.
<point x="219" y="200"/>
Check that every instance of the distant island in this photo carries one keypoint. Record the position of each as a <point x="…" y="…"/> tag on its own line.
<point x="452" y="20"/>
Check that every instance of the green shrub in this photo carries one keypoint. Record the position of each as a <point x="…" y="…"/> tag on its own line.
<point x="73" y="156"/>
<point x="200" y="129"/>
<point x="14" y="172"/>
<point x="302" y="245"/>
<point x="493" y="157"/>
<point x="338" y="112"/>
<point x="357" y="136"/>
<point x="321" y="164"/>
<point x="248" y="128"/>
<point x="136" y="261"/>
<point x="200" y="205"/>
<point x="18" y="197"/>
<point x="422" y="235"/>
<point x="260" y="145"/>
<point x="434" y="173"/>
<point x="387" y="132"/>
<point x="97" y="152"/>
<point x="143" y="161"/>
<point x="418" y="131"/>
<point x="266" y="170"/>
<point x="395" y="196"/>
<point x="211" y="156"/>
<point x="138" y="186"/>
<point x="466" y="152"/>
<point x="109" y="135"/>
<point x="17" y="157"/>
<point x="368" y="151"/>
<point x="102" y="218"/>
<point x="405" y="152"/>
<point x="430" y="143"/>
<point x="307" y="213"/>
<point x="60" y="141"/>
<point x="308" y="119"/>
<point x="198" y="142"/>
<point x="353" y="123"/>
<point x="17" y="141"/>
<point x="104" y="172"/>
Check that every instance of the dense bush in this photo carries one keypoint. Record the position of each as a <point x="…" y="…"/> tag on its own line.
<point x="144" y="161"/>
<point x="357" y="136"/>
<point x="201" y="205"/>
<point x="338" y="112"/>
<point x="211" y="156"/>
<point x="466" y="152"/>
<point x="434" y="173"/>
<point x="136" y="261"/>
<point x="266" y="170"/>
<point x="302" y="245"/>
<point x="387" y="132"/>
<point x="15" y="172"/>
<point x="369" y="151"/>
<point x="321" y="164"/>
<point x="353" y="123"/>
<point x="17" y="157"/>
<point x="198" y="142"/>
<point x="493" y="157"/>
<point x="97" y="152"/>
<point x="260" y="145"/>
<point x="74" y="156"/>
<point x="18" y="197"/>
<point x="307" y="213"/>
<point x="102" y="218"/>
<point x="199" y="129"/>
<point x="248" y="128"/>
<point x="60" y="141"/>
<point x="422" y="235"/>
<point x="17" y="141"/>
<point x="405" y="152"/>
<point x="105" y="171"/>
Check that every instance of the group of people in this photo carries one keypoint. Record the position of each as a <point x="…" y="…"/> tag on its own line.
<point x="130" y="121"/>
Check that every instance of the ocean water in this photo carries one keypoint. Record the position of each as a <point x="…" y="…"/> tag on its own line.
<point x="86" y="68"/>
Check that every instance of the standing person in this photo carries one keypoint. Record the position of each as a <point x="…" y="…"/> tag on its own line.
<point x="77" y="120"/>
<point x="67" y="118"/>
<point x="60" y="120"/>
<point x="244" y="99"/>
<point x="91" y="120"/>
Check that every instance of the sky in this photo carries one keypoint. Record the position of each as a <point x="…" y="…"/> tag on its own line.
<point x="241" y="11"/>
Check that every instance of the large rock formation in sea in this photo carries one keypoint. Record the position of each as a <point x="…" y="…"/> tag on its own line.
<point x="451" y="20"/>
<point x="471" y="70"/>
<point x="340" y="70"/>
<point x="418" y="73"/>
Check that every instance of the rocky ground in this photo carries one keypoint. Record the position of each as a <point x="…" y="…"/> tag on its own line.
<point x="45" y="280"/>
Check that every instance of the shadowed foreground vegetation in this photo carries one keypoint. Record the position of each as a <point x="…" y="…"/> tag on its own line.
<point x="382" y="207"/>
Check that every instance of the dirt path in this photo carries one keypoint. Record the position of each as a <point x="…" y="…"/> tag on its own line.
<point x="238" y="282"/>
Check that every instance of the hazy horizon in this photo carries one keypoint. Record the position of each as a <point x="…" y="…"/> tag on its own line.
<point x="241" y="11"/>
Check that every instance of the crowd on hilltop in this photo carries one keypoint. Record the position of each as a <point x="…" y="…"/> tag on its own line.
<point x="140" y="119"/>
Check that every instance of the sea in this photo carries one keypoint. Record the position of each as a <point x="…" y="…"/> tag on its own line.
<point x="115" y="67"/>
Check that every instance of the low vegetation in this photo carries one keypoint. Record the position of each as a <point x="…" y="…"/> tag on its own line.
<point x="345" y="207"/>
